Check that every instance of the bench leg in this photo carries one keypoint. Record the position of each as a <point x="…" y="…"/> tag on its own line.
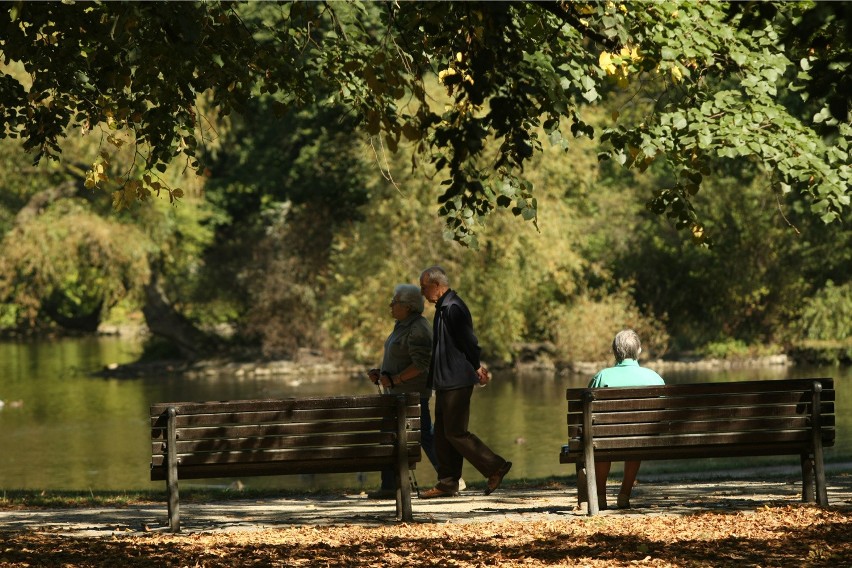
<point x="808" y="495"/>
<point x="403" y="497"/>
<point x="816" y="433"/>
<point x="172" y="474"/>
<point x="403" y="488"/>
<point x="589" y="455"/>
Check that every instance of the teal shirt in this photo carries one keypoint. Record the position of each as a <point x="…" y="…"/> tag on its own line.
<point x="628" y="373"/>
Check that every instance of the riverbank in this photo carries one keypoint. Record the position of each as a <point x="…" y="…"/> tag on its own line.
<point x="530" y="358"/>
<point x="315" y="366"/>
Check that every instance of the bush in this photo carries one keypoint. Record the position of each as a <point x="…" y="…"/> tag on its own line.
<point x="584" y="330"/>
<point x="827" y="316"/>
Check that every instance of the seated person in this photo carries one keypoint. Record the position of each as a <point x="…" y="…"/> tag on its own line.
<point x="626" y="373"/>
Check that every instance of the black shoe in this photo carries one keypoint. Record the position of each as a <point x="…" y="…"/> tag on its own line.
<point x="496" y="478"/>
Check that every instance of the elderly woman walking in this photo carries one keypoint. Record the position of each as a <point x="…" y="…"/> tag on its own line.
<point x="404" y="369"/>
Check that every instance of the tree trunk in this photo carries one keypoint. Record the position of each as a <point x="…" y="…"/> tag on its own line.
<point x="166" y="322"/>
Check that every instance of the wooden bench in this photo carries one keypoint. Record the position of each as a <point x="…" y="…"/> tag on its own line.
<point x="287" y="436"/>
<point x="707" y="420"/>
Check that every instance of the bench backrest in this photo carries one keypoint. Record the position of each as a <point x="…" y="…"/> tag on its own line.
<point x="272" y="437"/>
<point x="772" y="417"/>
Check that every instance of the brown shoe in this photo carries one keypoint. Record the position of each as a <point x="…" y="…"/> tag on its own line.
<point x="496" y="478"/>
<point x="437" y="492"/>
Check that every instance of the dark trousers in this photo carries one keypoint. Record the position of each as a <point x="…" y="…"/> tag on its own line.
<point x="454" y="443"/>
<point x="427" y="442"/>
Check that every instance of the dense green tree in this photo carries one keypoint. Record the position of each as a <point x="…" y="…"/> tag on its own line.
<point x="303" y="119"/>
<point x="68" y="266"/>
<point x="525" y="288"/>
<point x="718" y="80"/>
<point x="282" y="189"/>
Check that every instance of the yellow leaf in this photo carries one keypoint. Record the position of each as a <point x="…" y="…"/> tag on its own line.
<point x="605" y="62"/>
<point x="676" y="74"/>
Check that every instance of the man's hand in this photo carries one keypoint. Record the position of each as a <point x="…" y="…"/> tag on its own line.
<point x="484" y="375"/>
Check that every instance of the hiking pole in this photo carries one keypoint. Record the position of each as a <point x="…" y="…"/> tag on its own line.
<point x="412" y="481"/>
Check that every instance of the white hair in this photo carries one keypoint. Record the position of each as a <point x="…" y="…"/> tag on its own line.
<point x="626" y="345"/>
<point x="436" y="275"/>
<point x="409" y="294"/>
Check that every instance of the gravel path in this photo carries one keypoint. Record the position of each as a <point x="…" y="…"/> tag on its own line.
<point x="652" y="497"/>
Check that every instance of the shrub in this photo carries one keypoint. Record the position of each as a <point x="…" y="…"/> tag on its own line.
<point x="827" y="315"/>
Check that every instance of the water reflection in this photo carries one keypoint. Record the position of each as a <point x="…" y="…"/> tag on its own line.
<point x="74" y="431"/>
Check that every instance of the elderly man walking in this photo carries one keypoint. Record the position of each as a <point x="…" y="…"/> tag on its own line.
<point x="454" y="370"/>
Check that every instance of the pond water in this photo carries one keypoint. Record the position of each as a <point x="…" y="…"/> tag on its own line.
<point x="62" y="428"/>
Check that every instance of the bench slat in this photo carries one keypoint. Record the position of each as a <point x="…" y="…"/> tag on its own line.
<point x="282" y="404"/>
<point x="276" y="416"/>
<point x="354" y="453"/>
<point x="703" y="388"/>
<point x="700" y="413"/>
<point x="698" y="426"/>
<point x="666" y="441"/>
<point x="798" y="398"/>
<point x="284" y="442"/>
<point x="276" y="468"/>
<point x="693" y="452"/>
<point x="286" y="429"/>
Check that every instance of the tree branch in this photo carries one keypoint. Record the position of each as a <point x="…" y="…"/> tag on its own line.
<point x="561" y="11"/>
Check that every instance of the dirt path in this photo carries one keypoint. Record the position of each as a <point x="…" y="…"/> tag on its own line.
<point x="652" y="498"/>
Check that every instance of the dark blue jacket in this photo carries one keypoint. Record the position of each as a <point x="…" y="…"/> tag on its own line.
<point x="455" y="349"/>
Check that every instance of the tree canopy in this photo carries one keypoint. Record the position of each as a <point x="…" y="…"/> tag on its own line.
<point x="701" y="82"/>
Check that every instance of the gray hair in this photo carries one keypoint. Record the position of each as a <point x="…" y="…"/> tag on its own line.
<point x="626" y="345"/>
<point x="409" y="294"/>
<point x="436" y="275"/>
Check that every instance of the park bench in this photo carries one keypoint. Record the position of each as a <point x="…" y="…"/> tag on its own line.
<point x="707" y="420"/>
<point x="240" y="438"/>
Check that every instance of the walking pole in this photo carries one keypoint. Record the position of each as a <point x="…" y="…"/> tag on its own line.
<point x="412" y="481"/>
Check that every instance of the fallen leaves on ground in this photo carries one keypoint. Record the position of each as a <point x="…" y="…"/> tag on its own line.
<point x="786" y="536"/>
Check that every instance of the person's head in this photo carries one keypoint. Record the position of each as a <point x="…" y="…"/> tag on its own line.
<point x="406" y="301"/>
<point x="433" y="283"/>
<point x="626" y="345"/>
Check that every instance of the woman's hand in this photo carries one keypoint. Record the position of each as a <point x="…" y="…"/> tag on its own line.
<point x="386" y="381"/>
<point x="374" y="375"/>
